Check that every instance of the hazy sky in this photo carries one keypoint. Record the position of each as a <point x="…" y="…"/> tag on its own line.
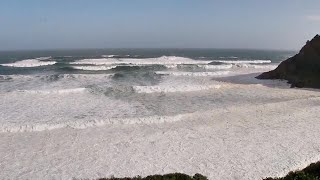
<point x="46" y="24"/>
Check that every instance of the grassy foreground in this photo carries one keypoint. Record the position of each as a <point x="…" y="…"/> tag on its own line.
<point x="174" y="176"/>
<point x="312" y="172"/>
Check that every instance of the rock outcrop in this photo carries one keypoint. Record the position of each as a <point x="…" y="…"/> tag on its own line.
<point x="301" y="70"/>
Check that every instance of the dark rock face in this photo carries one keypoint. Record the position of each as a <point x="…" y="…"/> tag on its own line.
<point x="301" y="70"/>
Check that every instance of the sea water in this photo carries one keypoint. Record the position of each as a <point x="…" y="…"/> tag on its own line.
<point x="43" y="90"/>
<point x="88" y="114"/>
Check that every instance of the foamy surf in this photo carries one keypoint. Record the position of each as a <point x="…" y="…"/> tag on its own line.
<point x="53" y="91"/>
<point x="164" y="60"/>
<point x="243" y="61"/>
<point x="173" y="89"/>
<point x="30" y="63"/>
<point x="255" y="66"/>
<point x="195" y="74"/>
<point x="93" y="68"/>
<point x="137" y="122"/>
<point x="57" y="76"/>
<point x="14" y="128"/>
<point x="43" y="58"/>
<point x="213" y="67"/>
<point x="108" y="56"/>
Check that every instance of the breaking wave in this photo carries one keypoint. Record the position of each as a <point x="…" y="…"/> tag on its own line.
<point x="93" y="68"/>
<point x="30" y="63"/>
<point x="244" y="61"/>
<point x="54" y="77"/>
<point x="163" y="60"/>
<point x="43" y="58"/>
<point x="254" y="66"/>
<point x="108" y="56"/>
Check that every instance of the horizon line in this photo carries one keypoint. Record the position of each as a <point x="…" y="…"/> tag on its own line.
<point x="140" y="48"/>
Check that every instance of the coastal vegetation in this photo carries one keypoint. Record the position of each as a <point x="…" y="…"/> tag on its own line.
<point x="312" y="172"/>
<point x="173" y="176"/>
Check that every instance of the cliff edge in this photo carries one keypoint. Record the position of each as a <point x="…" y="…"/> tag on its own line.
<point x="301" y="70"/>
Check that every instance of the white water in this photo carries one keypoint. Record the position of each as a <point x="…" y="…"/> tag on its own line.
<point x="31" y="63"/>
<point x="196" y="74"/>
<point x="170" y="62"/>
<point x="93" y="68"/>
<point x="43" y="58"/>
<point x="255" y="66"/>
<point x="228" y="66"/>
<point x="108" y="56"/>
<point x="244" y="61"/>
<point x="168" y="89"/>
<point x="164" y="60"/>
<point x="53" y="91"/>
<point x="222" y="124"/>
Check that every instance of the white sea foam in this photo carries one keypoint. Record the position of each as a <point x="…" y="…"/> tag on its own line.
<point x="43" y="58"/>
<point x="171" y="89"/>
<point x="93" y="123"/>
<point x="93" y="68"/>
<point x="53" y="91"/>
<point x="196" y="117"/>
<point x="251" y="140"/>
<point x="196" y="74"/>
<point x="63" y="76"/>
<point x="108" y="56"/>
<point x="244" y="61"/>
<point x="4" y="78"/>
<point x="227" y="66"/>
<point x="30" y="63"/>
<point x="43" y="84"/>
<point x="255" y="66"/>
<point x="171" y="66"/>
<point x="164" y="60"/>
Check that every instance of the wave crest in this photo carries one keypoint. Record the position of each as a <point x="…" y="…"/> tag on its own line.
<point x="163" y="60"/>
<point x="30" y="63"/>
<point x="243" y="61"/>
<point x="93" y="68"/>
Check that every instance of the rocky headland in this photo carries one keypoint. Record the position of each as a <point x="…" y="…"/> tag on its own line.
<point x="301" y="70"/>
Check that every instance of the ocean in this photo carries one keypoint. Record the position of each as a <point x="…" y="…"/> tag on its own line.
<point x="86" y="114"/>
<point x="80" y="88"/>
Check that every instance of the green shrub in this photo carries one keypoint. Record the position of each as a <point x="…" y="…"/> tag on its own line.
<point x="312" y="172"/>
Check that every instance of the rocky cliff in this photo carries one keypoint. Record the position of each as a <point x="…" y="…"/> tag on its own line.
<point x="301" y="70"/>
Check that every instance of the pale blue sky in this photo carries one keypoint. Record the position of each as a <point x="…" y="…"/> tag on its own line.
<point x="259" y="24"/>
